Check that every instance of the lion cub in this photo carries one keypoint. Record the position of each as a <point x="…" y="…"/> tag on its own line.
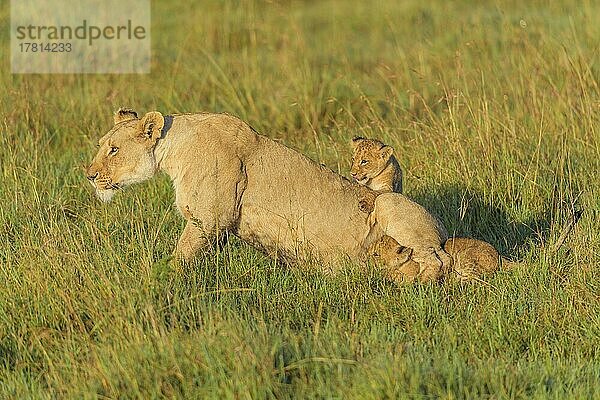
<point x="470" y="258"/>
<point x="374" y="166"/>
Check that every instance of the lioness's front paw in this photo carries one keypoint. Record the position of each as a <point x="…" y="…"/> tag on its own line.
<point x="184" y="252"/>
<point x="180" y="256"/>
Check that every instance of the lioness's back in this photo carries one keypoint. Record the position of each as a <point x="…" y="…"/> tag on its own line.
<point x="292" y="203"/>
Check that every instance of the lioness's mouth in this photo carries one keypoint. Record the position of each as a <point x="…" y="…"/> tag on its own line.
<point x="106" y="190"/>
<point x="104" y="185"/>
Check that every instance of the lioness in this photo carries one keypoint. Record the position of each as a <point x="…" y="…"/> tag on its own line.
<point x="471" y="257"/>
<point x="228" y="178"/>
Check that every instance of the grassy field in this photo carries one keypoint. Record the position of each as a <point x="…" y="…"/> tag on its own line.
<point x="493" y="108"/>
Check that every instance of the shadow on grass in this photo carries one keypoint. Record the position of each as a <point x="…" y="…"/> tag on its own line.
<point x="466" y="213"/>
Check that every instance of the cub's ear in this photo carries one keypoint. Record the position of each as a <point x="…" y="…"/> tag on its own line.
<point x="151" y="125"/>
<point x="124" y="114"/>
<point x="356" y="141"/>
<point x="404" y="254"/>
<point x="386" y="152"/>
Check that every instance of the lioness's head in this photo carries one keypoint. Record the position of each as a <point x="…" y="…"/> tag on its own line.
<point x="369" y="159"/>
<point x="126" y="153"/>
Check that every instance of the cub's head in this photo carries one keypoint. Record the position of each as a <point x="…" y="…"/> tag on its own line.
<point x="369" y="158"/>
<point x="388" y="252"/>
<point x="126" y="153"/>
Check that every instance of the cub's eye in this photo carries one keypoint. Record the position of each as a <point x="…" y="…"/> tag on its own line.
<point x="113" y="150"/>
<point x="364" y="162"/>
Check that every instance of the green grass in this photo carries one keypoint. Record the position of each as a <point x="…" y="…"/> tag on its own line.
<point x="493" y="109"/>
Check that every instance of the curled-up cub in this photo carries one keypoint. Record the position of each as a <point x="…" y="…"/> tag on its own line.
<point x="472" y="259"/>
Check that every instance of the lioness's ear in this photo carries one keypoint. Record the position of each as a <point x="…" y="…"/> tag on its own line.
<point x="151" y="125"/>
<point x="124" y="114"/>
<point x="386" y="152"/>
<point x="356" y="140"/>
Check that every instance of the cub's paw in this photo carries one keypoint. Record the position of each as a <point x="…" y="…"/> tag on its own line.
<point x="365" y="206"/>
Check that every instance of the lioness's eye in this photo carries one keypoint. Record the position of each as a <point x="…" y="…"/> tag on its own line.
<point x="113" y="150"/>
<point x="363" y="162"/>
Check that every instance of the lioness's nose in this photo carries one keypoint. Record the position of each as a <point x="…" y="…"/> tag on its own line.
<point x="92" y="177"/>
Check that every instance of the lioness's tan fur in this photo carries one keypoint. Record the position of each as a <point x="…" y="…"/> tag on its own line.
<point x="228" y="178"/>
